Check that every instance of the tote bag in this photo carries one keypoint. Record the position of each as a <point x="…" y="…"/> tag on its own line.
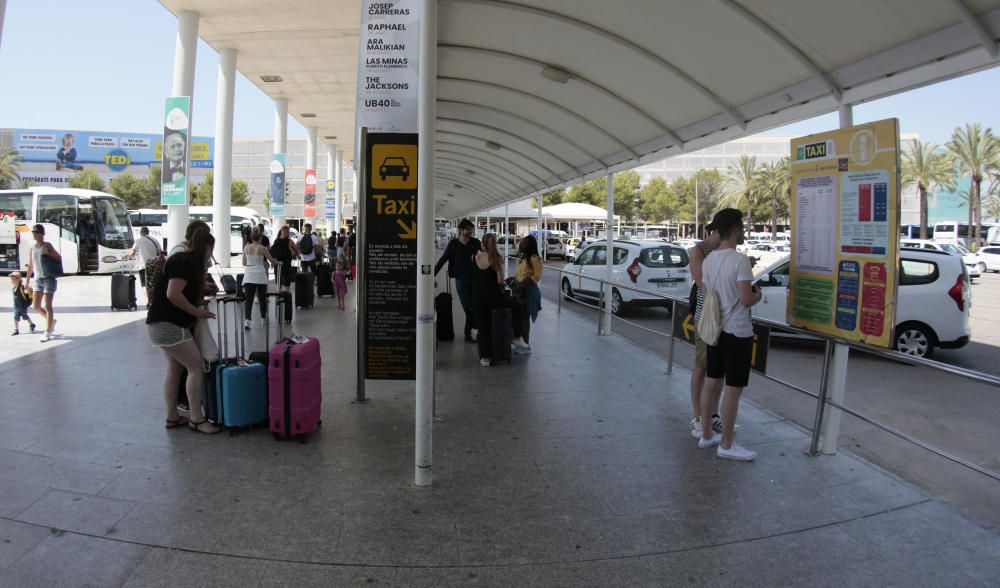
<point x="207" y="344"/>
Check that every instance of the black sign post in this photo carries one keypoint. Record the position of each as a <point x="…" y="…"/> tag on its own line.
<point x="684" y="329"/>
<point x="388" y="274"/>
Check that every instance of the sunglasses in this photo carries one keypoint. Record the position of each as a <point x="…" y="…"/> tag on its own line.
<point x="37" y="233"/>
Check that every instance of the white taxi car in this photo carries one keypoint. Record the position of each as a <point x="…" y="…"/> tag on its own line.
<point x="650" y="265"/>
<point x="972" y="260"/>
<point x="934" y="298"/>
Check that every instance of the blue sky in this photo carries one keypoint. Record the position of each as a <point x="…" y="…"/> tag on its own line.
<point x="107" y="65"/>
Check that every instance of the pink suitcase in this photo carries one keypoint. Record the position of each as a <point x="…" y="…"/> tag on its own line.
<point x="295" y="392"/>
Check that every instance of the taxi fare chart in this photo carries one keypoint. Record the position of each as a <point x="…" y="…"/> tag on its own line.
<point x="390" y="260"/>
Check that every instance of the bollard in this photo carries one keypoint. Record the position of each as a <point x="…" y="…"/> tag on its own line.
<point x="821" y="401"/>
<point x="670" y="343"/>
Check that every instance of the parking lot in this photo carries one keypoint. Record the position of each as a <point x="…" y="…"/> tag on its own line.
<point x="952" y="413"/>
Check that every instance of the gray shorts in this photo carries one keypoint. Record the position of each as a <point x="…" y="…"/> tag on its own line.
<point x="166" y="334"/>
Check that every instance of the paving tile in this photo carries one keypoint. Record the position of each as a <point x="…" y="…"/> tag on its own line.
<point x="17" y="496"/>
<point x="67" y="559"/>
<point x="387" y="542"/>
<point x="514" y="541"/>
<point x="76" y="512"/>
<point x="16" y="539"/>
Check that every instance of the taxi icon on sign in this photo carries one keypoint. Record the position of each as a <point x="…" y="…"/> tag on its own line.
<point x="394" y="166"/>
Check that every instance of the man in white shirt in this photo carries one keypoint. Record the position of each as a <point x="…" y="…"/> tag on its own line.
<point x="728" y="272"/>
<point x="147" y="249"/>
<point x="308" y="252"/>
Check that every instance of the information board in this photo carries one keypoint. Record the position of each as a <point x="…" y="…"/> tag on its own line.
<point x="388" y="55"/>
<point x="276" y="191"/>
<point x="390" y="257"/>
<point x="845" y="219"/>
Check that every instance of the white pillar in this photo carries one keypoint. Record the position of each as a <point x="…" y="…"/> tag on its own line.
<point x="609" y="257"/>
<point x="223" y="173"/>
<point x="506" y="234"/>
<point x="331" y="157"/>
<point x="3" y="9"/>
<point x="338" y="170"/>
<point x="427" y="95"/>
<point x="836" y="383"/>
<point x="183" y="85"/>
<point x="280" y="146"/>
<point x="487" y="222"/>
<point x="310" y="164"/>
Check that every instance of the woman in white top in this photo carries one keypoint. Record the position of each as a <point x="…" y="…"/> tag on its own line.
<point x="255" y="276"/>
<point x="45" y="283"/>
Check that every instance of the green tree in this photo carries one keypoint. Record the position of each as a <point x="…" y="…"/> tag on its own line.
<point x="201" y="195"/>
<point x="743" y="178"/>
<point x="26" y="183"/>
<point x="706" y="188"/>
<point x="135" y="191"/>
<point x="153" y="185"/>
<point x="10" y="163"/>
<point x="550" y="198"/>
<point x="658" y="202"/>
<point x="775" y="179"/>
<point x="627" y="203"/>
<point x="927" y="168"/>
<point x="590" y="192"/>
<point x="87" y="180"/>
<point x="977" y="150"/>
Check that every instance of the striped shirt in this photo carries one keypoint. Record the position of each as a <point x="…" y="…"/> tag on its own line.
<point x="699" y="297"/>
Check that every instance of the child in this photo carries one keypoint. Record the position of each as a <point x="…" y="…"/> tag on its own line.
<point x="22" y="300"/>
<point x="340" y="284"/>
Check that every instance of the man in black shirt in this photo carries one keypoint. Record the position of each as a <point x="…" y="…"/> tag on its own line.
<point x="458" y="256"/>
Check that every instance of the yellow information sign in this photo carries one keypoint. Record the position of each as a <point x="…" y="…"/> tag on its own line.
<point x="394" y="167"/>
<point x="845" y="232"/>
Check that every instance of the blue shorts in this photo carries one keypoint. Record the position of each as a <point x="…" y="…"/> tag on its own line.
<point x="45" y="285"/>
<point x="21" y="314"/>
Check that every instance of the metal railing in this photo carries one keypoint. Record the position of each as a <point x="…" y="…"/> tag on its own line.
<point x="829" y="341"/>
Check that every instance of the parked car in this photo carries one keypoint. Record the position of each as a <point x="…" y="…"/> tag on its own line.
<point x="934" y="298"/>
<point x="650" y="265"/>
<point x="972" y="260"/>
<point x="990" y="258"/>
<point x="507" y="245"/>
<point x="555" y="248"/>
<point x="572" y="246"/>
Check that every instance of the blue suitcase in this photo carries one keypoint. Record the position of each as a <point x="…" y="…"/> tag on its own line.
<point x="236" y="389"/>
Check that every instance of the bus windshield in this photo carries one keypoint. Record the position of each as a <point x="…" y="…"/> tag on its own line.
<point x="112" y="218"/>
<point x="17" y="204"/>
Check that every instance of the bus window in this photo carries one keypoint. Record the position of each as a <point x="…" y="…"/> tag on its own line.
<point x="59" y="210"/>
<point x="112" y="218"/>
<point x="17" y="204"/>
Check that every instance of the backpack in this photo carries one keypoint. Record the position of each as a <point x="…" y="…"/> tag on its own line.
<point x="306" y="245"/>
<point x="710" y="324"/>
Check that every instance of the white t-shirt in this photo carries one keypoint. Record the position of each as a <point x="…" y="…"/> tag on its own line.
<point x="147" y="248"/>
<point x="721" y="271"/>
<point x="311" y="256"/>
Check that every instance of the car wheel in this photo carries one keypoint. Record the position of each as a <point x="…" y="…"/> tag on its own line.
<point x="617" y="304"/>
<point x="567" y="289"/>
<point x="914" y="339"/>
<point x="982" y="267"/>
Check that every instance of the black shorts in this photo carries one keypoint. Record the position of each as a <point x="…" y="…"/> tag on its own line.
<point x="142" y="277"/>
<point x="731" y="358"/>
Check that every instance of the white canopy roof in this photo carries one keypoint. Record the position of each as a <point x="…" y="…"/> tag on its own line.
<point x="537" y="94"/>
<point x="565" y="211"/>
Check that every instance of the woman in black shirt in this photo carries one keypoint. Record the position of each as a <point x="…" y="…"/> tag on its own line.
<point x="176" y="306"/>
<point x="284" y="250"/>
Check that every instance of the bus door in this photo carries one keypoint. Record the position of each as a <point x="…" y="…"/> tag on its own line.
<point x="58" y="213"/>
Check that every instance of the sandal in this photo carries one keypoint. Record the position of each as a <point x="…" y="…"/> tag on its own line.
<point x="196" y="427"/>
<point x="178" y="422"/>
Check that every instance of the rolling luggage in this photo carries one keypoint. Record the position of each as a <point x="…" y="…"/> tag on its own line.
<point x="304" y="288"/>
<point x="324" y="280"/>
<point x="295" y="392"/>
<point x="123" y="291"/>
<point x="445" y="319"/>
<point x="503" y="334"/>
<point x="236" y="390"/>
<point x="262" y="357"/>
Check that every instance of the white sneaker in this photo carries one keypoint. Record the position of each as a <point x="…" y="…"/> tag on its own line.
<point x="736" y="453"/>
<point x="520" y="347"/>
<point x="475" y="334"/>
<point x="716" y="423"/>
<point x="246" y="324"/>
<point x="696" y="428"/>
<point x="706" y="443"/>
<point x="46" y="337"/>
<point x="484" y="362"/>
<point x="526" y="350"/>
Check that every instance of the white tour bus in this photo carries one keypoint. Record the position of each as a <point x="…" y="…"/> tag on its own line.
<point x="155" y="219"/>
<point x="956" y="232"/>
<point x="90" y="229"/>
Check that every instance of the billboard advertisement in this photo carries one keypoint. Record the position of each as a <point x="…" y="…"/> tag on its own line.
<point x="331" y="200"/>
<point x="845" y="224"/>
<point x="310" y="194"/>
<point x="71" y="151"/>
<point x="277" y="190"/>
<point x="176" y="132"/>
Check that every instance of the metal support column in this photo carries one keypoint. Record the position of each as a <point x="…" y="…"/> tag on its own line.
<point x="331" y="160"/>
<point x="427" y="95"/>
<point x="184" y="60"/>
<point x="506" y="234"/>
<point x="609" y="257"/>
<point x="223" y="177"/>
<point x="280" y="146"/>
<point x="338" y="179"/>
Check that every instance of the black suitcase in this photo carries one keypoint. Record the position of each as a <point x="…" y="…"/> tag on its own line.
<point x="324" y="280"/>
<point x="445" y="321"/>
<point x="503" y="334"/>
<point x="305" y="282"/>
<point x="229" y="284"/>
<point x="123" y="292"/>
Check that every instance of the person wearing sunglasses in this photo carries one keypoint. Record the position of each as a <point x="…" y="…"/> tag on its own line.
<point x="45" y="264"/>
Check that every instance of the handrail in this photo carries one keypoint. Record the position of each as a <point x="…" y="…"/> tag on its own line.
<point x="829" y="340"/>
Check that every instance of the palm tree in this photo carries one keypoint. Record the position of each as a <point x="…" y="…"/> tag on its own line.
<point x="928" y="169"/>
<point x="743" y="176"/>
<point x="776" y="179"/>
<point x="10" y="161"/>
<point x="976" y="151"/>
<point x="966" y="197"/>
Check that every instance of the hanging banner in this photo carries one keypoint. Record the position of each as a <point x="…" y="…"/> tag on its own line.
<point x="390" y="257"/>
<point x="276" y="193"/>
<point x="310" y="194"/>
<point x="331" y="200"/>
<point x="174" y="170"/>
<point x="845" y="244"/>
<point x="387" y="79"/>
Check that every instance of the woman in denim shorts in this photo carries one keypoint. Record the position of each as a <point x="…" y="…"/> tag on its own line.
<point x="45" y="279"/>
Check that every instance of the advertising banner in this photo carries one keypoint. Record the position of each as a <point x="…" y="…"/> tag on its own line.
<point x="71" y="151"/>
<point x="845" y="224"/>
<point x="176" y="131"/>
<point x="387" y="78"/>
<point x="276" y="193"/>
<point x="390" y="257"/>
<point x="331" y="200"/>
<point x="310" y="194"/>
